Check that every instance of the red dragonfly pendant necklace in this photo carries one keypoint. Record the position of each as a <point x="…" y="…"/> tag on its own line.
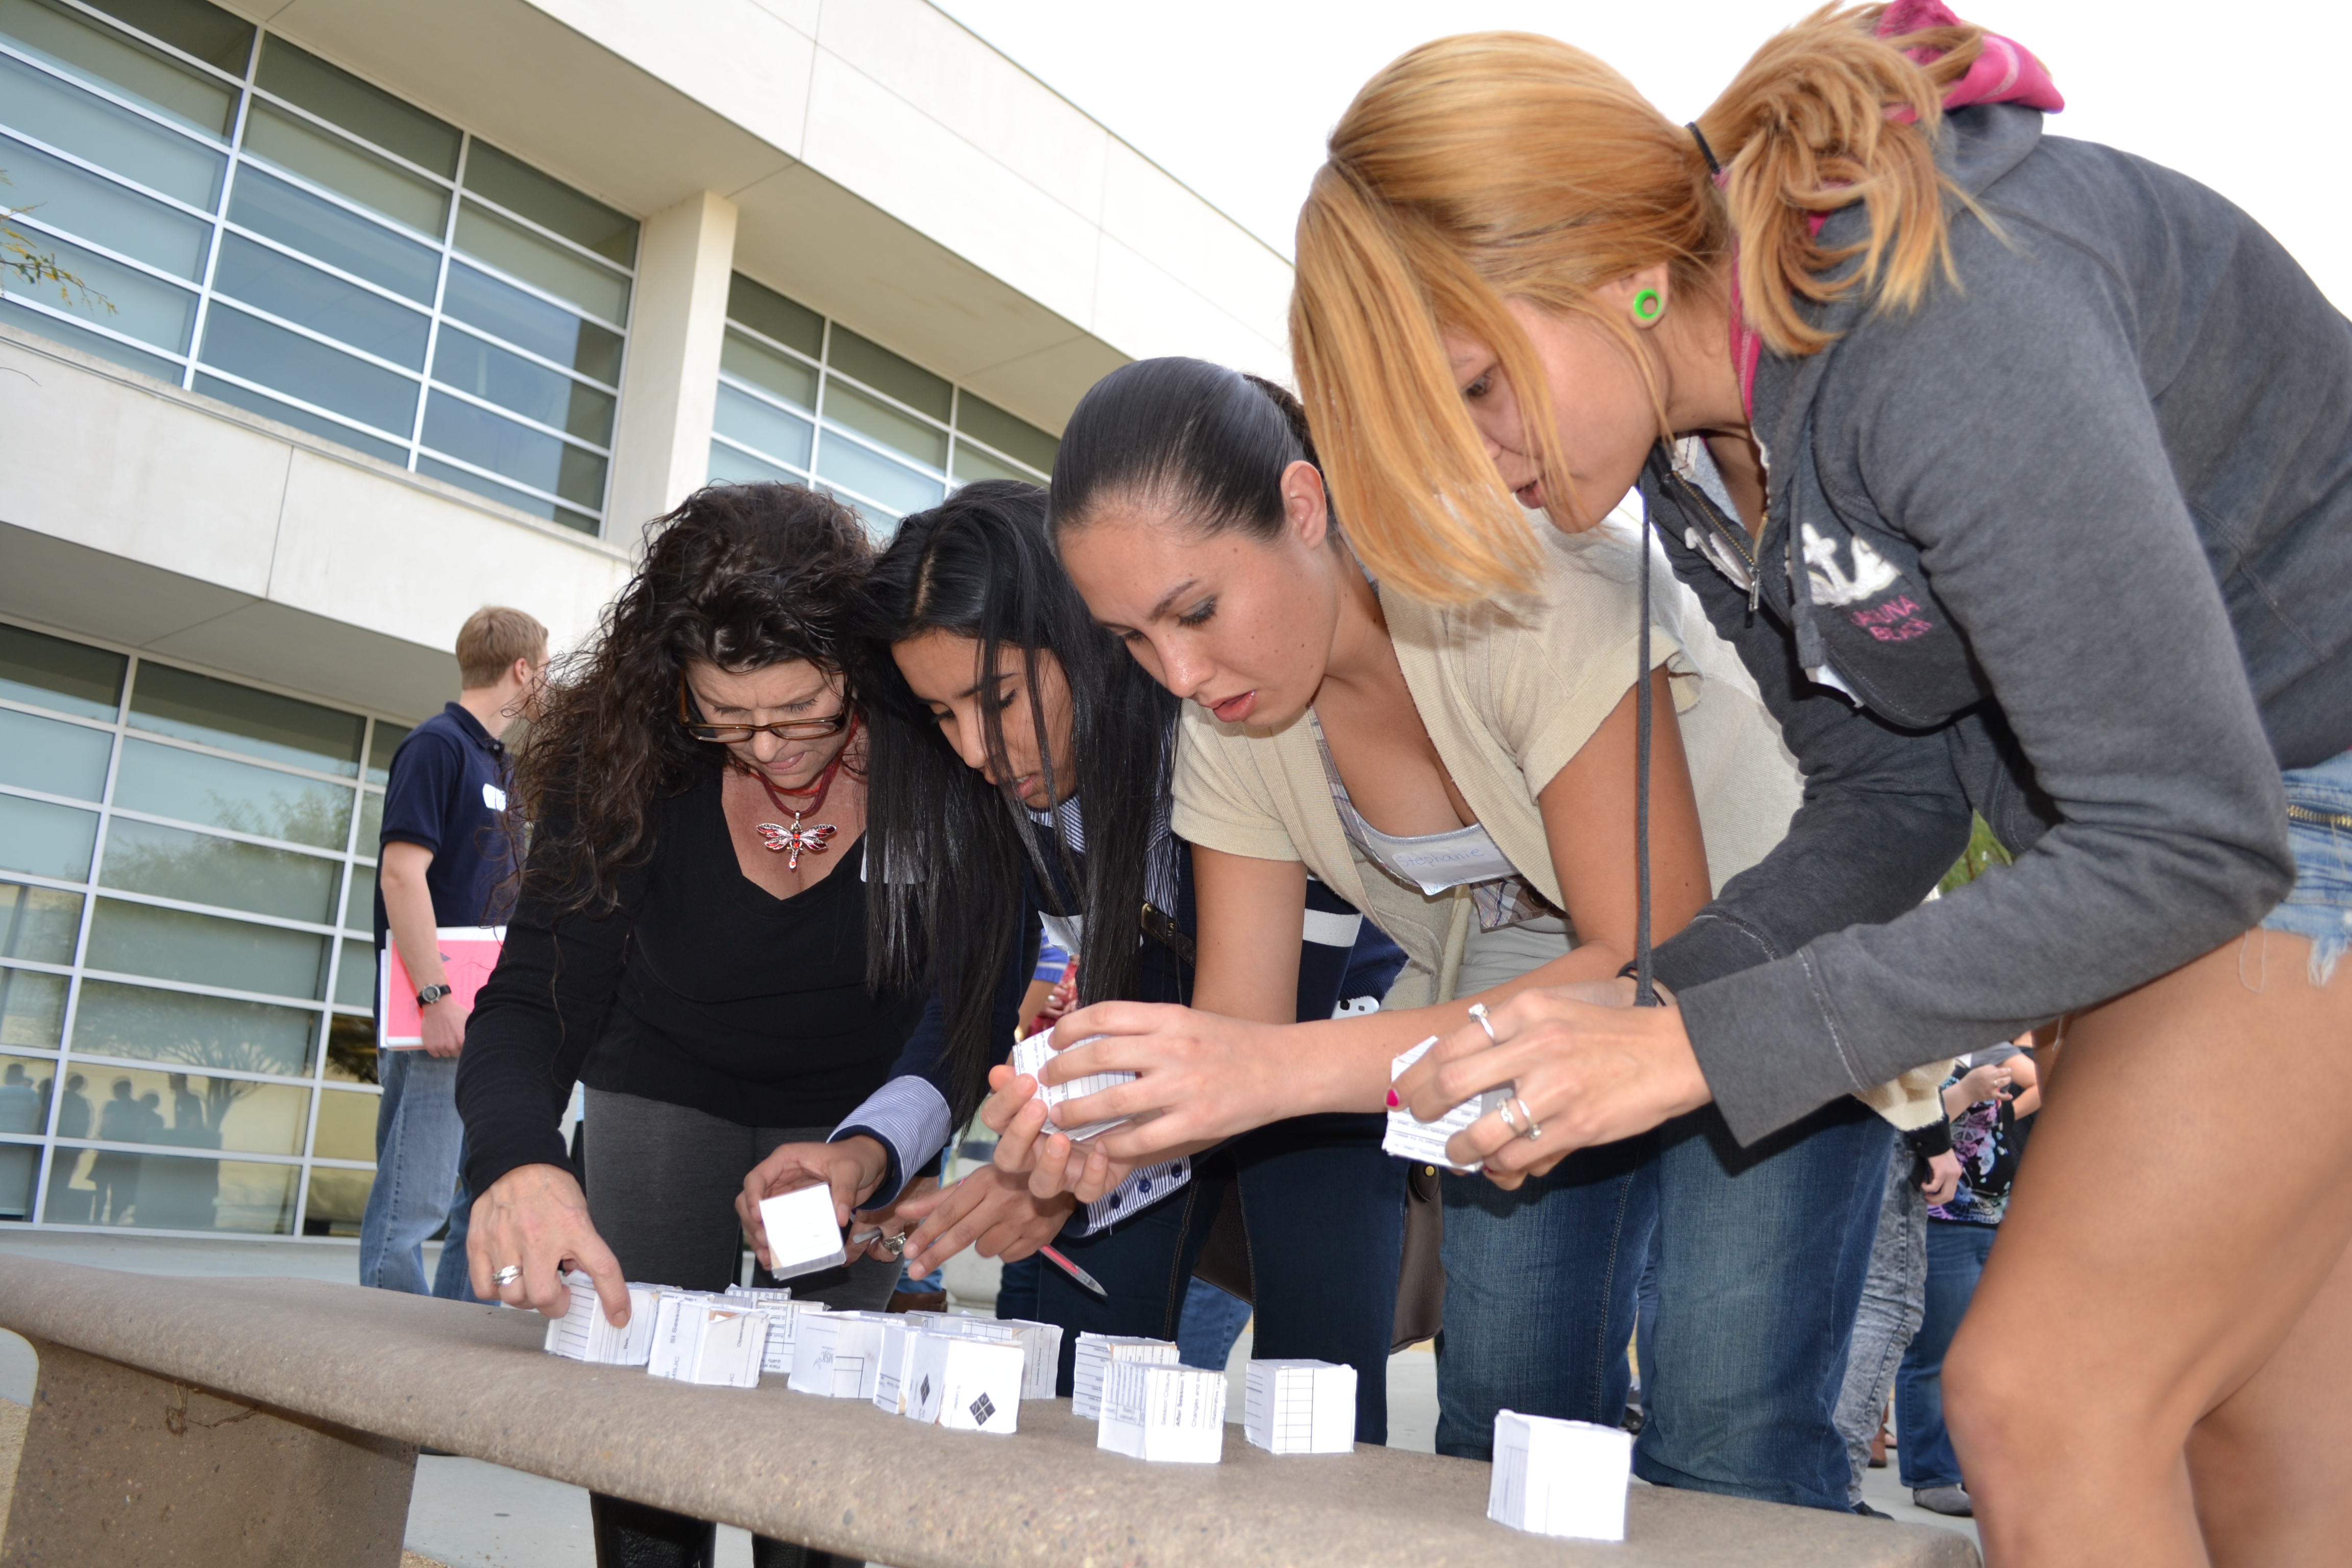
<point x="795" y="841"/>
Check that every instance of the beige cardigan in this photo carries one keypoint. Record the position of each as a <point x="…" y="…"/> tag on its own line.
<point x="1510" y="690"/>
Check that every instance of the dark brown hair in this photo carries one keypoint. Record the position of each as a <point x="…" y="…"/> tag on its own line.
<point x="743" y="575"/>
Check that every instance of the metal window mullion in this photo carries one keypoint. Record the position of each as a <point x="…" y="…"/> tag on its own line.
<point x="510" y="482"/>
<point x="114" y="24"/>
<point x="233" y="835"/>
<point x="729" y="379"/>
<point x="206" y="749"/>
<point x="197" y="988"/>
<point x="109" y="175"/>
<point x="181" y="1151"/>
<point x="886" y="397"/>
<point x="83" y="720"/>
<point x="192" y="1069"/>
<point x="30" y="219"/>
<point x="344" y="134"/>
<point x="525" y="420"/>
<point x="440" y="297"/>
<point x="299" y="329"/>
<point x="486" y="335"/>
<point x="218" y="911"/>
<point x="535" y="227"/>
<point x="255" y="236"/>
<point x="105" y="93"/>
<point x="212" y="251"/>
<point x="111" y="334"/>
<point x="764" y="341"/>
<point x="750" y="451"/>
<point x="35" y="966"/>
<point x="332" y="197"/>
<point x="874" y="445"/>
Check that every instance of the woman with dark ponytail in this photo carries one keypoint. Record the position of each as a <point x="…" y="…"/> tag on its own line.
<point x="2019" y="471"/>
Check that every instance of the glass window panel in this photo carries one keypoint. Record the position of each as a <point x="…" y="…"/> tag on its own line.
<point x="269" y="205"/>
<point x="108" y="135"/>
<point x="551" y="204"/>
<point x="729" y="467"/>
<point x="883" y="371"/>
<point x="20" y="1166"/>
<point x="25" y="318"/>
<point x="386" y="741"/>
<point x="346" y="1125"/>
<point x="52" y="757"/>
<point x="351" y="1049"/>
<point x="118" y="1020"/>
<point x="192" y="26"/>
<point x="764" y="367"/>
<point x="881" y="524"/>
<point x="173" y="701"/>
<point x="218" y="793"/>
<point x="563" y="273"/>
<point x="359" y="900"/>
<point x="510" y="381"/>
<point x="346" y="168"/>
<point x="174" y="863"/>
<point x="338" y="1200"/>
<point x="363" y="110"/>
<point x="355" y="980"/>
<point x="475" y="435"/>
<point x="896" y="486"/>
<point x="971" y="463"/>
<point x="25" y="1085"/>
<point x="204" y="950"/>
<point x="32" y="1008"/>
<point x="270" y="407"/>
<point x="44" y="839"/>
<point x="302" y="293"/>
<point x="505" y="495"/>
<point x="142" y="1105"/>
<point x="121" y="297"/>
<point x="52" y="672"/>
<point x="739" y="417"/>
<point x="527" y="322"/>
<point x="872" y="416"/>
<point x="765" y="312"/>
<point x="170" y="1192"/>
<point x="301" y="367"/>
<point x="38" y="923"/>
<point x="101" y="211"/>
<point x="371" y="832"/>
<point x="138" y="71"/>
<point x="1016" y="439"/>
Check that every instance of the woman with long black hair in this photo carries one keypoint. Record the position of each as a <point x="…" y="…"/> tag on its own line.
<point x="997" y="706"/>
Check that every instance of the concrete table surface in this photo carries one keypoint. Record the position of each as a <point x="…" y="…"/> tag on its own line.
<point x="840" y="1475"/>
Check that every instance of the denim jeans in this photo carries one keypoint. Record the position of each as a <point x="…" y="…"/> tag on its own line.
<point x="1760" y="1255"/>
<point x="420" y="1146"/>
<point x="1324" y="1208"/>
<point x="1893" y="1298"/>
<point x="1956" y="1257"/>
<point x="1212" y="1321"/>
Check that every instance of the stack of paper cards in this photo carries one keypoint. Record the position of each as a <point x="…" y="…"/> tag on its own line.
<point x="784" y="1319"/>
<point x="707" y="1339"/>
<point x="964" y="1385"/>
<point x="1561" y="1477"/>
<point x="1423" y="1143"/>
<point x="1040" y="1346"/>
<point x="802" y="1236"/>
<point x="582" y="1334"/>
<point x="831" y="1352"/>
<point x="1300" y="1407"/>
<point x="1175" y="1414"/>
<point x="761" y="1296"/>
<point x="1030" y="1056"/>
<point x="890" y="1384"/>
<point x="1097" y="1351"/>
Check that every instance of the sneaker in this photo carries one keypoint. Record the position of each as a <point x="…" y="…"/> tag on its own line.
<point x="1867" y="1511"/>
<point x="1950" y="1501"/>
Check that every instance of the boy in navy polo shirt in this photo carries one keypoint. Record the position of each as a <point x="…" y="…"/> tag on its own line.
<point x="447" y="858"/>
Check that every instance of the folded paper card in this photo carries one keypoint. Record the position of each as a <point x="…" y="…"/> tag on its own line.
<point x="784" y="1319"/>
<point x="1174" y="1414"/>
<point x="1560" y="1477"/>
<point x="707" y="1339"/>
<point x="802" y="1236"/>
<point x="964" y="1385"/>
<point x="1300" y="1407"/>
<point x="1423" y="1143"/>
<point x="1030" y="1056"/>
<point x="1096" y="1352"/>
<point x="1040" y="1348"/>
<point x="582" y="1333"/>
<point x="830" y="1352"/>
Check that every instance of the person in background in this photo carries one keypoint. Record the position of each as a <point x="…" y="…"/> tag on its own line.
<point x="1990" y="1097"/>
<point x="446" y="860"/>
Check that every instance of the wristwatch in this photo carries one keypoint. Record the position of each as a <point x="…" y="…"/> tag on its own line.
<point x="432" y="993"/>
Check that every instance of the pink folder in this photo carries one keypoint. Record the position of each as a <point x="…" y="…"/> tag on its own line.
<point x="469" y="954"/>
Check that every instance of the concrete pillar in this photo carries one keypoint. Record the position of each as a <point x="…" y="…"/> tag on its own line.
<point x="123" y="1466"/>
<point x="661" y="452"/>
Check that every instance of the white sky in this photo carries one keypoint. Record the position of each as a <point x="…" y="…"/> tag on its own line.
<point x="1235" y="97"/>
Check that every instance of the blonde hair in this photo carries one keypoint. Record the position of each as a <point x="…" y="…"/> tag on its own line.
<point x="492" y="639"/>
<point x="1501" y="166"/>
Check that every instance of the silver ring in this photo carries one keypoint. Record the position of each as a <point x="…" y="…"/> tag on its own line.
<point x="507" y="1276"/>
<point x="1530" y="1131"/>
<point x="896" y="1245"/>
<point x="1479" y="1011"/>
<point x="1503" y="1111"/>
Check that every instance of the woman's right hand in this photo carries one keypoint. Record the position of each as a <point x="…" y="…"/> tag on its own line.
<point x="1200" y="1078"/>
<point x="853" y="1168"/>
<point x="1980" y="1084"/>
<point x="535" y="1217"/>
<point x="990" y="1211"/>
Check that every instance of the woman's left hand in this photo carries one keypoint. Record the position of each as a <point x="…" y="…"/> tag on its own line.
<point x="990" y="1210"/>
<point x="1588" y="1067"/>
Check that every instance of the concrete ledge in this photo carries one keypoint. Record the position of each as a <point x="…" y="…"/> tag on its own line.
<point x="837" y="1474"/>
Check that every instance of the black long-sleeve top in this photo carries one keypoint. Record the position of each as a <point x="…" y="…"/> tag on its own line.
<point x="700" y="989"/>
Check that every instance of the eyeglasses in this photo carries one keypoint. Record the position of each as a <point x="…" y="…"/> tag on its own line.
<point x="732" y="734"/>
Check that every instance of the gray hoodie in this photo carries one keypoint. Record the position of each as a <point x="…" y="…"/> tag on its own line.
<point x="2070" y="545"/>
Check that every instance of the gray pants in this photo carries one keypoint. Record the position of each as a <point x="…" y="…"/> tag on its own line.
<point x="662" y="1180"/>
<point x="1894" y="1298"/>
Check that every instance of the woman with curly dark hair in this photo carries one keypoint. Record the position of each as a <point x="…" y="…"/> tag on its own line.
<point x="689" y="938"/>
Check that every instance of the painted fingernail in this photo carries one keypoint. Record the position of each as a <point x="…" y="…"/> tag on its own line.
<point x="1393" y="1101"/>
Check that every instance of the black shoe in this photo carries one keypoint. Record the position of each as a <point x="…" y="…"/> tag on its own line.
<point x="1867" y="1511"/>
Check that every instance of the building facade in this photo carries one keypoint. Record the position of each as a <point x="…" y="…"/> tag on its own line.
<point x="394" y="307"/>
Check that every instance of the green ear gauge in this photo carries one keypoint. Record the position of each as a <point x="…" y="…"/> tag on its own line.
<point x="1646" y="305"/>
